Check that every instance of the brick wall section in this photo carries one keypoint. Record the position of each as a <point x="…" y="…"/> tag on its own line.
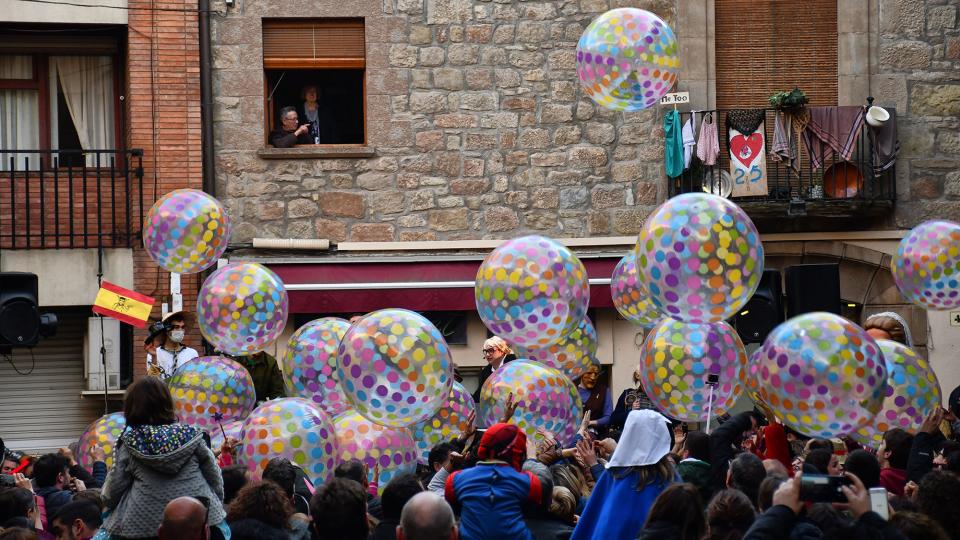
<point x="918" y="68"/>
<point x="171" y="143"/>
<point x="480" y="127"/>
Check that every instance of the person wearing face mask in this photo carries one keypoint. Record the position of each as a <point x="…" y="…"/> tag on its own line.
<point x="170" y="353"/>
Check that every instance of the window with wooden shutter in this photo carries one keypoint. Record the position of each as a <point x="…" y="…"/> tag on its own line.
<point x="324" y="54"/>
<point x="767" y="47"/>
<point x="335" y="43"/>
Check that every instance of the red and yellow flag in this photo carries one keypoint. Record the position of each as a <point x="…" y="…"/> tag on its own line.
<point x="122" y="304"/>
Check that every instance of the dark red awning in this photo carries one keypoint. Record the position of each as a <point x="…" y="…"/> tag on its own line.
<point x="421" y="286"/>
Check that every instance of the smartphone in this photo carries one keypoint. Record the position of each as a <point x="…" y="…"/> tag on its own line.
<point x="823" y="488"/>
<point x="878" y="502"/>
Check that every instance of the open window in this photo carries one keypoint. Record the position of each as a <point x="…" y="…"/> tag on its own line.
<point x="325" y="55"/>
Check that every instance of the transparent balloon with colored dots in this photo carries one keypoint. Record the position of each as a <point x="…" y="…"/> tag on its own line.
<point x="392" y="450"/>
<point x="627" y="59"/>
<point x="310" y="364"/>
<point x="820" y="374"/>
<point x="629" y="297"/>
<point x="104" y="433"/>
<point x="186" y="231"/>
<point x="678" y="358"/>
<point x="294" y="429"/>
<point x="449" y="422"/>
<point x="234" y="430"/>
<point x="926" y="266"/>
<point x="913" y="392"/>
<point x="211" y="390"/>
<point x="572" y="355"/>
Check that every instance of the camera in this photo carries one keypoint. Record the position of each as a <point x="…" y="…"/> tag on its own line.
<point x="823" y="488"/>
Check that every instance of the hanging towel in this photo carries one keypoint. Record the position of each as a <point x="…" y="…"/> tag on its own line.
<point x="832" y="129"/>
<point x="673" y="145"/>
<point x="784" y="148"/>
<point x="886" y="145"/>
<point x="688" y="142"/>
<point x="708" y="147"/>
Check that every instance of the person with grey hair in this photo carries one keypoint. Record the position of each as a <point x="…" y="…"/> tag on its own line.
<point x="290" y="132"/>
<point x="426" y="516"/>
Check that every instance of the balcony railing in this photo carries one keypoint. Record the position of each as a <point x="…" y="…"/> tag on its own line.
<point x="841" y="189"/>
<point x="70" y="198"/>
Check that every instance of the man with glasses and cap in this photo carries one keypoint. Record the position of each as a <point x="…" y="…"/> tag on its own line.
<point x="164" y="346"/>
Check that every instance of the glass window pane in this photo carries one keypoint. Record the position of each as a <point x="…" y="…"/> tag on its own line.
<point x="16" y="66"/>
<point x="19" y="126"/>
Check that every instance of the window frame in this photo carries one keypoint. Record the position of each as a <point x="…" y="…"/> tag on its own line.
<point x="316" y="64"/>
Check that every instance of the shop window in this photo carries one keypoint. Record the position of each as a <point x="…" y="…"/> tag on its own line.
<point x="314" y="70"/>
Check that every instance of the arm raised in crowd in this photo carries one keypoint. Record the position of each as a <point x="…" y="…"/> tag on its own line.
<point x="925" y="442"/>
<point x="722" y="445"/>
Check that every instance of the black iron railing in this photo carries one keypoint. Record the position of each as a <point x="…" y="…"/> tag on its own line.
<point x="70" y="198"/>
<point x="837" y="183"/>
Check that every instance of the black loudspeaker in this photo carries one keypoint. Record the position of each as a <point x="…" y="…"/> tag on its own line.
<point x="764" y="311"/>
<point x="813" y="287"/>
<point x="20" y="323"/>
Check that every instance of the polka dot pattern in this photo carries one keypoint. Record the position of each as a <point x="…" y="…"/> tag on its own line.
<point x="209" y="386"/>
<point x="926" y="266"/>
<point x="291" y="428"/>
<point x="629" y="298"/>
<point x="545" y="398"/>
<point x="310" y="364"/>
<point x="572" y="355"/>
<point x="820" y="374"/>
<point x="532" y="291"/>
<point x="627" y="59"/>
<point x="392" y="449"/>
<point x="701" y="256"/>
<point x="913" y="391"/>
<point x="232" y="429"/>
<point x="449" y="422"/>
<point x="678" y="357"/>
<point x="186" y="231"/>
<point x="104" y="433"/>
<point x="242" y="308"/>
<point x="395" y="367"/>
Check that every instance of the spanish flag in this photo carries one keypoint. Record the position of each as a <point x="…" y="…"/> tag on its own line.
<point x="124" y="305"/>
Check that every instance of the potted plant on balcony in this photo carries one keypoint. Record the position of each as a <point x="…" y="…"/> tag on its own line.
<point x="791" y="101"/>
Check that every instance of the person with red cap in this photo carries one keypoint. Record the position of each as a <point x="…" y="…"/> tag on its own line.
<point x="493" y="495"/>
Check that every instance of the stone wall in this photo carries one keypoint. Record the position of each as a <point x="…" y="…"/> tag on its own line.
<point x="480" y="128"/>
<point x="918" y="71"/>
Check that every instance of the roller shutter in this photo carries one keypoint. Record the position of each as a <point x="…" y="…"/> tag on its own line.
<point x="43" y="410"/>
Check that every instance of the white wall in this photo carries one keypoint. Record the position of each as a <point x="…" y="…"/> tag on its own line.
<point x="19" y="11"/>
<point x="68" y="277"/>
<point x="943" y="345"/>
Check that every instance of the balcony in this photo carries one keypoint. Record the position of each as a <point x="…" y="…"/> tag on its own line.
<point x="70" y="198"/>
<point x="843" y="193"/>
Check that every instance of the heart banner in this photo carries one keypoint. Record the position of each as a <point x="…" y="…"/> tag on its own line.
<point x="747" y="163"/>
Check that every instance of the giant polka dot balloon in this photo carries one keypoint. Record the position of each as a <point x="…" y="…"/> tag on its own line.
<point x="701" y="256"/>
<point x="230" y="429"/>
<point x="629" y="298"/>
<point x="186" y="231"/>
<point x="242" y="308"/>
<point x="926" y="267"/>
<point x="627" y="59"/>
<point x="545" y="398"/>
<point x="291" y="428"/>
<point x="820" y="374"/>
<point x="395" y="367"/>
<point x="532" y="291"/>
<point x="913" y="392"/>
<point x="310" y="364"/>
<point x="572" y="355"/>
<point x="449" y="422"/>
<point x="391" y="449"/>
<point x="103" y="432"/>
<point x="678" y="358"/>
<point x="212" y="389"/>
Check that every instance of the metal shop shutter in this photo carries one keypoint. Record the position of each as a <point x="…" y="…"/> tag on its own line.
<point x="767" y="47"/>
<point x="43" y="411"/>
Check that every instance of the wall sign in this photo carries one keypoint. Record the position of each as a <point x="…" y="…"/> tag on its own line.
<point x="748" y="164"/>
<point x="955" y="318"/>
<point x="677" y="98"/>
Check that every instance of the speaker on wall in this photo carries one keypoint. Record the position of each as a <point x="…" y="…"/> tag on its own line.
<point x="764" y="311"/>
<point x="813" y="287"/>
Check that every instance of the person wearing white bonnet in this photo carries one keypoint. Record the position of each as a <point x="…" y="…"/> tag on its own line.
<point x="889" y="325"/>
<point x="639" y="470"/>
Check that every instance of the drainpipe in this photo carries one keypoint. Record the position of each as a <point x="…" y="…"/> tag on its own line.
<point x="206" y="101"/>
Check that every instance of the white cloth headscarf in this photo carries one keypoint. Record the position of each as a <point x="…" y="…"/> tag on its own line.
<point x="645" y="440"/>
<point x="899" y="319"/>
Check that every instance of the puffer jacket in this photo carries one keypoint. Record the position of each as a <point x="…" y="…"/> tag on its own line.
<point x="153" y="466"/>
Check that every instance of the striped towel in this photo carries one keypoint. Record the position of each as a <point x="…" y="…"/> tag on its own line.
<point x="833" y="129"/>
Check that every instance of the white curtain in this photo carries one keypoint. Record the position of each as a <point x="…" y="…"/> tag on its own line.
<point x="19" y="113"/>
<point x="87" y="84"/>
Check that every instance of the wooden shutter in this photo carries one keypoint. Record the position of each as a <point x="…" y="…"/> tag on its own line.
<point x="767" y="47"/>
<point x="329" y="43"/>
